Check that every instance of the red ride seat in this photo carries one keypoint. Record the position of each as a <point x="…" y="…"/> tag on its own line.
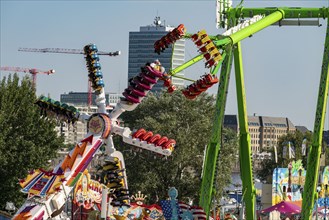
<point x="153" y="139"/>
<point x="139" y="133"/>
<point x="131" y="98"/>
<point x="201" y="85"/>
<point x="180" y="29"/>
<point x="161" y="141"/>
<point x="194" y="37"/>
<point x="211" y="79"/>
<point x="193" y="89"/>
<point x="141" y="84"/>
<point x="154" y="72"/>
<point x="128" y="91"/>
<point x="171" y="89"/>
<point x="137" y="91"/>
<point x="210" y="63"/>
<point x="188" y="95"/>
<point x="147" y="136"/>
<point x="148" y="79"/>
<point x="168" y="144"/>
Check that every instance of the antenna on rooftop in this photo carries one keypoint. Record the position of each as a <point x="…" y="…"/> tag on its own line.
<point x="157" y="21"/>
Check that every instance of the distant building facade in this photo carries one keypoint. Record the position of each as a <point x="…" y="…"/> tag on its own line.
<point x="141" y="51"/>
<point x="74" y="134"/>
<point x="302" y="129"/>
<point x="264" y="131"/>
<point x="80" y="98"/>
<point x="114" y="98"/>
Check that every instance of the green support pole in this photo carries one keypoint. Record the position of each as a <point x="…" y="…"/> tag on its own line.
<point x="213" y="147"/>
<point x="290" y="13"/>
<point x="313" y="162"/>
<point x="245" y="145"/>
<point x="187" y="64"/>
<point x="184" y="78"/>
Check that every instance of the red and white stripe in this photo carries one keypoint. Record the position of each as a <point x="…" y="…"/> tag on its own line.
<point x="198" y="213"/>
<point x="184" y="207"/>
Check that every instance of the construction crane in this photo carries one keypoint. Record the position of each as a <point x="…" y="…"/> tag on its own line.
<point x="70" y="51"/>
<point x="64" y="50"/>
<point x="32" y="71"/>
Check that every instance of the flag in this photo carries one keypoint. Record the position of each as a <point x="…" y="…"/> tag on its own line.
<point x="166" y="208"/>
<point x="304" y="147"/>
<point x="183" y="207"/>
<point x="218" y="8"/>
<point x="291" y="150"/>
<point x="284" y="151"/>
<point x="198" y="213"/>
<point x="276" y="154"/>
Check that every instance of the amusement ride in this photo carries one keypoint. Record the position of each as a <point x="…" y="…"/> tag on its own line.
<point x="49" y="190"/>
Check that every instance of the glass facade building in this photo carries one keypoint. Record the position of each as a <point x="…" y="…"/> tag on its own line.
<point x="141" y="51"/>
<point x="80" y="98"/>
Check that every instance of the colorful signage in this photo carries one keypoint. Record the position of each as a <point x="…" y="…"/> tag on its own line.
<point x="87" y="192"/>
<point x="288" y="183"/>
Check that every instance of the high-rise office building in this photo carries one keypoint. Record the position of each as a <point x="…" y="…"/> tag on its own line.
<point x="141" y="51"/>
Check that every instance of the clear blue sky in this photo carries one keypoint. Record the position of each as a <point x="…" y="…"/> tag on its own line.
<point x="282" y="64"/>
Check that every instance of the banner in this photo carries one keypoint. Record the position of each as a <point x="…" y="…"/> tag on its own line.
<point x="275" y="154"/>
<point x="284" y="151"/>
<point x="304" y="147"/>
<point x="291" y="150"/>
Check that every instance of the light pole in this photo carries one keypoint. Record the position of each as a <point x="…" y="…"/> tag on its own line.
<point x="289" y="177"/>
<point x="236" y="196"/>
<point x="318" y="189"/>
<point x="325" y="201"/>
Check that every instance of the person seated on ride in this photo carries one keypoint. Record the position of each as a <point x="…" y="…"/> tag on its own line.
<point x="157" y="66"/>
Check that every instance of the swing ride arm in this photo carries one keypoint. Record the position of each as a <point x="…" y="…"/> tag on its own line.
<point x="186" y="65"/>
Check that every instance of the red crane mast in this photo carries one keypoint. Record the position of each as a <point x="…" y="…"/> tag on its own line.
<point x="32" y="71"/>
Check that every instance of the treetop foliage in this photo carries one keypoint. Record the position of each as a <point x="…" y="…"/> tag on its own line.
<point x="189" y="122"/>
<point x="27" y="140"/>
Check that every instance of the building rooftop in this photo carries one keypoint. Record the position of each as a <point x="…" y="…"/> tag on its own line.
<point x="157" y="25"/>
<point x="302" y="129"/>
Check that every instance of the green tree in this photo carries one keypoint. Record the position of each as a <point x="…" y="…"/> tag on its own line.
<point x="190" y="124"/>
<point x="228" y="156"/>
<point x="27" y="141"/>
<point x="296" y="139"/>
